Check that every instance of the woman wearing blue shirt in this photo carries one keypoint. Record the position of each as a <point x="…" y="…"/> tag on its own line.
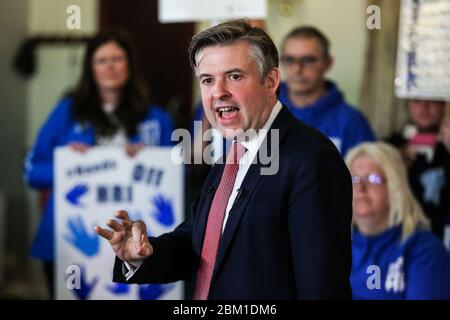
<point x="394" y="254"/>
<point x="109" y="107"/>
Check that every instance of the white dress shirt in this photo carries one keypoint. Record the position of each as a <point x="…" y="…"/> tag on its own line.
<point x="252" y="146"/>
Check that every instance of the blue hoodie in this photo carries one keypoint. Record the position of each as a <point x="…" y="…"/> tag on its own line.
<point x="60" y="129"/>
<point x="415" y="268"/>
<point x="335" y="118"/>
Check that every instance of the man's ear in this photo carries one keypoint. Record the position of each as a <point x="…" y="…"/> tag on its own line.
<point x="329" y="63"/>
<point x="272" y="80"/>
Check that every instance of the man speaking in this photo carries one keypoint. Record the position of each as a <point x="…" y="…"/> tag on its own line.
<point x="253" y="233"/>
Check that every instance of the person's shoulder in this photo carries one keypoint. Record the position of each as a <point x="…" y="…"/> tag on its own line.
<point x="306" y="149"/>
<point x="425" y="236"/>
<point x="350" y="111"/>
<point x="155" y="111"/>
<point x="63" y="109"/>
<point x="283" y="88"/>
<point x="308" y="140"/>
<point x="66" y="103"/>
<point x="424" y="242"/>
<point x="303" y="131"/>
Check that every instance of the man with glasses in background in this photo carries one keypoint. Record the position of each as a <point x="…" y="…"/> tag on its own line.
<point x="313" y="99"/>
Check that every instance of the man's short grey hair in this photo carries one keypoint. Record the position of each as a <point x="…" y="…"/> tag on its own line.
<point x="309" y="32"/>
<point x="262" y="48"/>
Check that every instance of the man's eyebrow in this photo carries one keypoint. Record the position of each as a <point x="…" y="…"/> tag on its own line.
<point x="203" y="75"/>
<point x="234" y="70"/>
<point x="207" y="75"/>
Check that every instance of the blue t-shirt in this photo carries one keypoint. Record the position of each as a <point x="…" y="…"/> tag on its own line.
<point x="335" y="118"/>
<point x="385" y="267"/>
<point x="60" y="129"/>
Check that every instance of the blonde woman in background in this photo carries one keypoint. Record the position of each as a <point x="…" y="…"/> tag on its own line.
<point x="394" y="254"/>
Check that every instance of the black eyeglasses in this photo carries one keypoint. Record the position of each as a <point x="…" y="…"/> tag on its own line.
<point x="305" y="61"/>
<point x="373" y="179"/>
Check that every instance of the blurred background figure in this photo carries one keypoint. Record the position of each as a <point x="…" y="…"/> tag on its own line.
<point x="109" y="107"/>
<point x="394" y="255"/>
<point x="306" y="58"/>
<point x="424" y="143"/>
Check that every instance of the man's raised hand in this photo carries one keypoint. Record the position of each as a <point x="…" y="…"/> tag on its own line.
<point x="128" y="239"/>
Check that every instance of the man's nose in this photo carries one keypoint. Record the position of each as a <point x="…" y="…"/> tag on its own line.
<point x="221" y="90"/>
<point x="297" y="67"/>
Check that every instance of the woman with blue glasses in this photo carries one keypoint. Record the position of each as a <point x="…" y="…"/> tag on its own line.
<point x="394" y="254"/>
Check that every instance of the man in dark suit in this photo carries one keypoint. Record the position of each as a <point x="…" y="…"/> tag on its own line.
<point x="259" y="229"/>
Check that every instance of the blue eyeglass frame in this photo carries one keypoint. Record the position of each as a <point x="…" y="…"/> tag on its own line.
<point x="373" y="179"/>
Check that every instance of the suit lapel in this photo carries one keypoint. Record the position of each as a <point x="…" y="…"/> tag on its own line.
<point x="237" y="210"/>
<point x="282" y="122"/>
<point x="204" y="205"/>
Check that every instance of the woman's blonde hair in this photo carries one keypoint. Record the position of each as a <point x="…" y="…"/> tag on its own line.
<point x="403" y="206"/>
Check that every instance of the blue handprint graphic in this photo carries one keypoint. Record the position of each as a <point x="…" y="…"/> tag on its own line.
<point x="118" y="288"/>
<point x="86" y="242"/>
<point x="164" y="213"/>
<point x="74" y="195"/>
<point x="153" y="291"/>
<point x="85" y="288"/>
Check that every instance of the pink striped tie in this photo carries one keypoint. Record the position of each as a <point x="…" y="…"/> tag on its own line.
<point x="215" y="221"/>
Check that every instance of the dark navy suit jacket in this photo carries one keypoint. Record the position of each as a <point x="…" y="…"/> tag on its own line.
<point x="288" y="235"/>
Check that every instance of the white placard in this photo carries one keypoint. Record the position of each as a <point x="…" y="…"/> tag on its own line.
<point x="89" y="189"/>
<point x="447" y="237"/>
<point x="201" y="10"/>
<point x="423" y="58"/>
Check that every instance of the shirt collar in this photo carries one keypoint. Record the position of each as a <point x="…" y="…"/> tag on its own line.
<point x="254" y="142"/>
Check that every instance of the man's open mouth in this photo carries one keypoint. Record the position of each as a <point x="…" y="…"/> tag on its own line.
<point x="227" y="112"/>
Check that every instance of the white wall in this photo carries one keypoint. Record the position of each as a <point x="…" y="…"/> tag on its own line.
<point x="12" y="121"/>
<point x="58" y="70"/>
<point x="49" y="16"/>
<point x="59" y="66"/>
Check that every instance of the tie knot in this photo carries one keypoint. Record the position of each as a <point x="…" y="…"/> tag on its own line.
<point x="236" y="152"/>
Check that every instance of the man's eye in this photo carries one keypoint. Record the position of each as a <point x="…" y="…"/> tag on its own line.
<point x="288" y="60"/>
<point x="206" y="81"/>
<point x="235" y="76"/>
